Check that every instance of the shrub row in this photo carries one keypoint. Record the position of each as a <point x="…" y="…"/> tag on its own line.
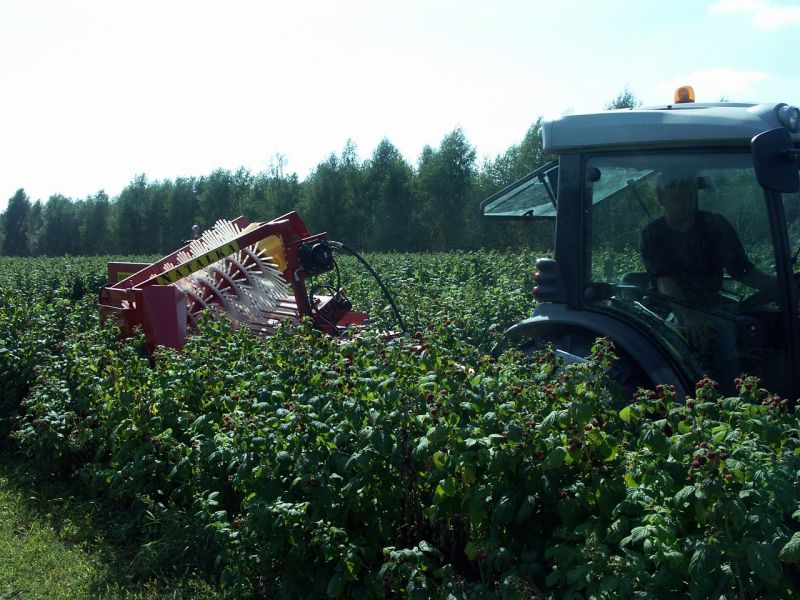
<point x="303" y="466"/>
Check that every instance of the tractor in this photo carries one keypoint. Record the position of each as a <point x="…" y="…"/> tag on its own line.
<point x="602" y="192"/>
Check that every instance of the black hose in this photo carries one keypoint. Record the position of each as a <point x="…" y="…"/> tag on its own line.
<point x="333" y="289"/>
<point x="380" y="283"/>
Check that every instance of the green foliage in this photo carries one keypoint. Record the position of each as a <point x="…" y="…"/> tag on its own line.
<point x="306" y="466"/>
<point x="54" y="544"/>
<point x="382" y="203"/>
<point x="625" y="99"/>
<point x="15" y="242"/>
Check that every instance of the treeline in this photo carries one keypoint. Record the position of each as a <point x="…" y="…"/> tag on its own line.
<point x="382" y="203"/>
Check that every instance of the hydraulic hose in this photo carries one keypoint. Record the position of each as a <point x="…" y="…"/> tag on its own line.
<point x="368" y="267"/>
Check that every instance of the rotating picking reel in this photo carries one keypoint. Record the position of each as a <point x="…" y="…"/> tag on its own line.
<point x="254" y="272"/>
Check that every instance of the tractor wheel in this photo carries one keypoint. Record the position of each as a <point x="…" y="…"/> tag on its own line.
<point x="626" y="375"/>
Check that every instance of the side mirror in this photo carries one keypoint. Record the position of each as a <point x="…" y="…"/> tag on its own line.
<point x="776" y="161"/>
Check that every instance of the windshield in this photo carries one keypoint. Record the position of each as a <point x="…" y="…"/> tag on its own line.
<point x="682" y="244"/>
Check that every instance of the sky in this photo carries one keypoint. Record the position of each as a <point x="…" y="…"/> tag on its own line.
<point x="94" y="93"/>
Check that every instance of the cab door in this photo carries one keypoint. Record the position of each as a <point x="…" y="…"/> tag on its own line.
<point x="744" y="328"/>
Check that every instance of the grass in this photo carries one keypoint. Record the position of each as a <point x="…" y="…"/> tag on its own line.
<point x="55" y="544"/>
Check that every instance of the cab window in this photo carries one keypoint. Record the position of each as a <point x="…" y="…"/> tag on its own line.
<point x="681" y="244"/>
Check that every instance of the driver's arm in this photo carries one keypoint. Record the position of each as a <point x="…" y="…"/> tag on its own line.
<point x="759" y="280"/>
<point x="739" y="266"/>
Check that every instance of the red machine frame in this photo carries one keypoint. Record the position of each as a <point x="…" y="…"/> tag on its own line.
<point x="144" y="295"/>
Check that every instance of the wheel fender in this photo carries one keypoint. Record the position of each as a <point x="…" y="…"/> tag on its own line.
<point x="549" y="319"/>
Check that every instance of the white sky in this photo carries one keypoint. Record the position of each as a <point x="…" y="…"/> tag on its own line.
<point x="95" y="92"/>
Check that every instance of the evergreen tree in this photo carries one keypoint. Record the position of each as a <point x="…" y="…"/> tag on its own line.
<point x="388" y="180"/>
<point x="128" y="225"/>
<point x="15" y="239"/>
<point x="321" y="204"/>
<point x="93" y="224"/>
<point x="222" y="195"/>
<point x="59" y="234"/>
<point x="181" y="212"/>
<point x="33" y="227"/>
<point x="355" y="227"/>
<point x="625" y="99"/>
<point x="273" y="193"/>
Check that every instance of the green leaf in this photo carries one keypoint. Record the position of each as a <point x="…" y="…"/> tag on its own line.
<point x="525" y="510"/>
<point x="422" y="448"/>
<point x="555" y="459"/>
<point x="704" y="561"/>
<point x="595" y="438"/>
<point x="336" y="585"/>
<point x="504" y="510"/>
<point x="764" y="562"/>
<point x="683" y="495"/>
<point x="444" y="489"/>
<point x="582" y="412"/>
<point x="471" y="550"/>
<point x="548" y="422"/>
<point x="552" y="578"/>
<point x="439" y="459"/>
<point x="515" y="430"/>
<point x="568" y="511"/>
<point x="609" y="584"/>
<point x="655" y="440"/>
<point x="579" y="576"/>
<point x="737" y="513"/>
<point x="468" y="474"/>
<point x="674" y="559"/>
<point x="791" y="551"/>
<point x="610" y="449"/>
<point x="617" y="530"/>
<point x="427" y="548"/>
<point x="639" y="534"/>
<point x="629" y="480"/>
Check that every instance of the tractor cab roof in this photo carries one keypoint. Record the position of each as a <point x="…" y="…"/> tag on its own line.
<point x="725" y="123"/>
<point x="684" y="124"/>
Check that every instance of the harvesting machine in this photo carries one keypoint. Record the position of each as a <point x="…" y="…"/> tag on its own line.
<point x="256" y="273"/>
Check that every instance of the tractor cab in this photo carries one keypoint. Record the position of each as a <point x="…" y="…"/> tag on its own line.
<point x="677" y="236"/>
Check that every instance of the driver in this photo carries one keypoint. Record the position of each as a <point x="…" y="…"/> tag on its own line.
<point x="687" y="251"/>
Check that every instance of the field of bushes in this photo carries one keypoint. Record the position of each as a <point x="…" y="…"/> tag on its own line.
<point x="301" y="466"/>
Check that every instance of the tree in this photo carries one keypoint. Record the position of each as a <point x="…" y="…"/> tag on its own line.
<point x="321" y="202"/>
<point x="93" y="224"/>
<point x="515" y="163"/>
<point x="519" y="160"/>
<point x="181" y="211"/>
<point x="33" y="227"/>
<point x="625" y="99"/>
<point x="273" y="194"/>
<point x="15" y="239"/>
<point x="59" y="234"/>
<point x="388" y="180"/>
<point x="128" y="228"/>
<point x="222" y="195"/>
<point x="356" y="226"/>
<point x="444" y="181"/>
